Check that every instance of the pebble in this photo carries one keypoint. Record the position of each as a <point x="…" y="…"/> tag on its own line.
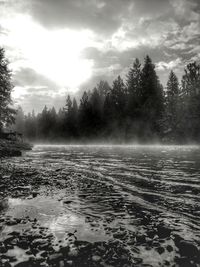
<point x="160" y="250"/>
<point x="34" y="194"/>
<point x="55" y="257"/>
<point x="96" y="258"/>
<point x="61" y="263"/>
<point x="140" y="238"/>
<point x="69" y="263"/>
<point x="73" y="252"/>
<point x="169" y="248"/>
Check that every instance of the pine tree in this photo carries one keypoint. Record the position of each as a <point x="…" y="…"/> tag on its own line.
<point x="96" y="112"/>
<point x="133" y="108"/>
<point x="30" y="126"/>
<point x="61" y="118"/>
<point x="71" y="113"/>
<point x="75" y="108"/>
<point x="172" y="105"/>
<point x="118" y="103"/>
<point x="133" y="82"/>
<point x="191" y="101"/>
<point x="6" y="112"/>
<point x="52" y="116"/>
<point x="75" y="118"/>
<point x="191" y="80"/>
<point x="19" y="121"/>
<point x="119" y="96"/>
<point x="108" y="115"/>
<point x="103" y="89"/>
<point x="152" y="100"/>
<point x="44" y="123"/>
<point x="85" y="115"/>
<point x="68" y="105"/>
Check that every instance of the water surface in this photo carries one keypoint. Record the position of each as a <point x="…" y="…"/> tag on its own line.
<point x="101" y="193"/>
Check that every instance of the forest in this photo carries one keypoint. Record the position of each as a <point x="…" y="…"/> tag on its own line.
<point x="136" y="109"/>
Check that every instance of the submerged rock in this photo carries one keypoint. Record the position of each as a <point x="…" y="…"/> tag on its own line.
<point x="96" y="258"/>
<point x="140" y="238"/>
<point x="188" y="249"/>
<point x="163" y="231"/>
<point x="160" y="250"/>
<point x="55" y="258"/>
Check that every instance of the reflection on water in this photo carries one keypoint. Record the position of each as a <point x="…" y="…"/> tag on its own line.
<point x="54" y="215"/>
<point x="147" y="194"/>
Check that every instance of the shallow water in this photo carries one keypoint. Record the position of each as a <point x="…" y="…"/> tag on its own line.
<point x="100" y="192"/>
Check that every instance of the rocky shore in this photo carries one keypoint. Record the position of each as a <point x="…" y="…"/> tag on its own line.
<point x="9" y="148"/>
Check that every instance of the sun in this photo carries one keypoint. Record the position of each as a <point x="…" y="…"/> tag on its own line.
<point x="56" y="54"/>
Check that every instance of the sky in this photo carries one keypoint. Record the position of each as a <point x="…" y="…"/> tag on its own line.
<point x="63" y="47"/>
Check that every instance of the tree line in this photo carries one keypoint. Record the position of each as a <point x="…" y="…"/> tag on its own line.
<point x="137" y="108"/>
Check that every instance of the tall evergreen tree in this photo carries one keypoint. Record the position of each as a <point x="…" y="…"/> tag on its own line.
<point x="152" y="100"/>
<point x="71" y="109"/>
<point x="6" y="112"/>
<point x="108" y="115"/>
<point x="75" y="108"/>
<point x="133" y="82"/>
<point x="133" y="109"/>
<point x="30" y="126"/>
<point x="68" y="105"/>
<point x="52" y="117"/>
<point x="118" y="103"/>
<point x="19" y="125"/>
<point x="85" y="115"/>
<point x="191" y="80"/>
<point x="103" y="89"/>
<point x="96" y="112"/>
<point x="44" y="123"/>
<point x="118" y="96"/>
<point x="172" y="105"/>
<point x="191" y="101"/>
<point x="61" y="120"/>
<point x="74" y="116"/>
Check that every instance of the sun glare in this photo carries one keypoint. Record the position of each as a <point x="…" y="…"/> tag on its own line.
<point x="55" y="54"/>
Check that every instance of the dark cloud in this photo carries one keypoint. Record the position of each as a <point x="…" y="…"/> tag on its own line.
<point x="37" y="91"/>
<point x="124" y="59"/>
<point x="26" y="77"/>
<point x="103" y="16"/>
<point x="151" y="8"/>
<point x="108" y="15"/>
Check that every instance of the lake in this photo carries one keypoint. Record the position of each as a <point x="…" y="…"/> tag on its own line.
<point x="103" y="205"/>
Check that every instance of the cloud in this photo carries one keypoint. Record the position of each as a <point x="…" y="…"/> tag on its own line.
<point x="26" y="76"/>
<point x="186" y="9"/>
<point x="33" y="91"/>
<point x="37" y="101"/>
<point x="63" y="45"/>
<point x="102" y="16"/>
<point x="168" y="65"/>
